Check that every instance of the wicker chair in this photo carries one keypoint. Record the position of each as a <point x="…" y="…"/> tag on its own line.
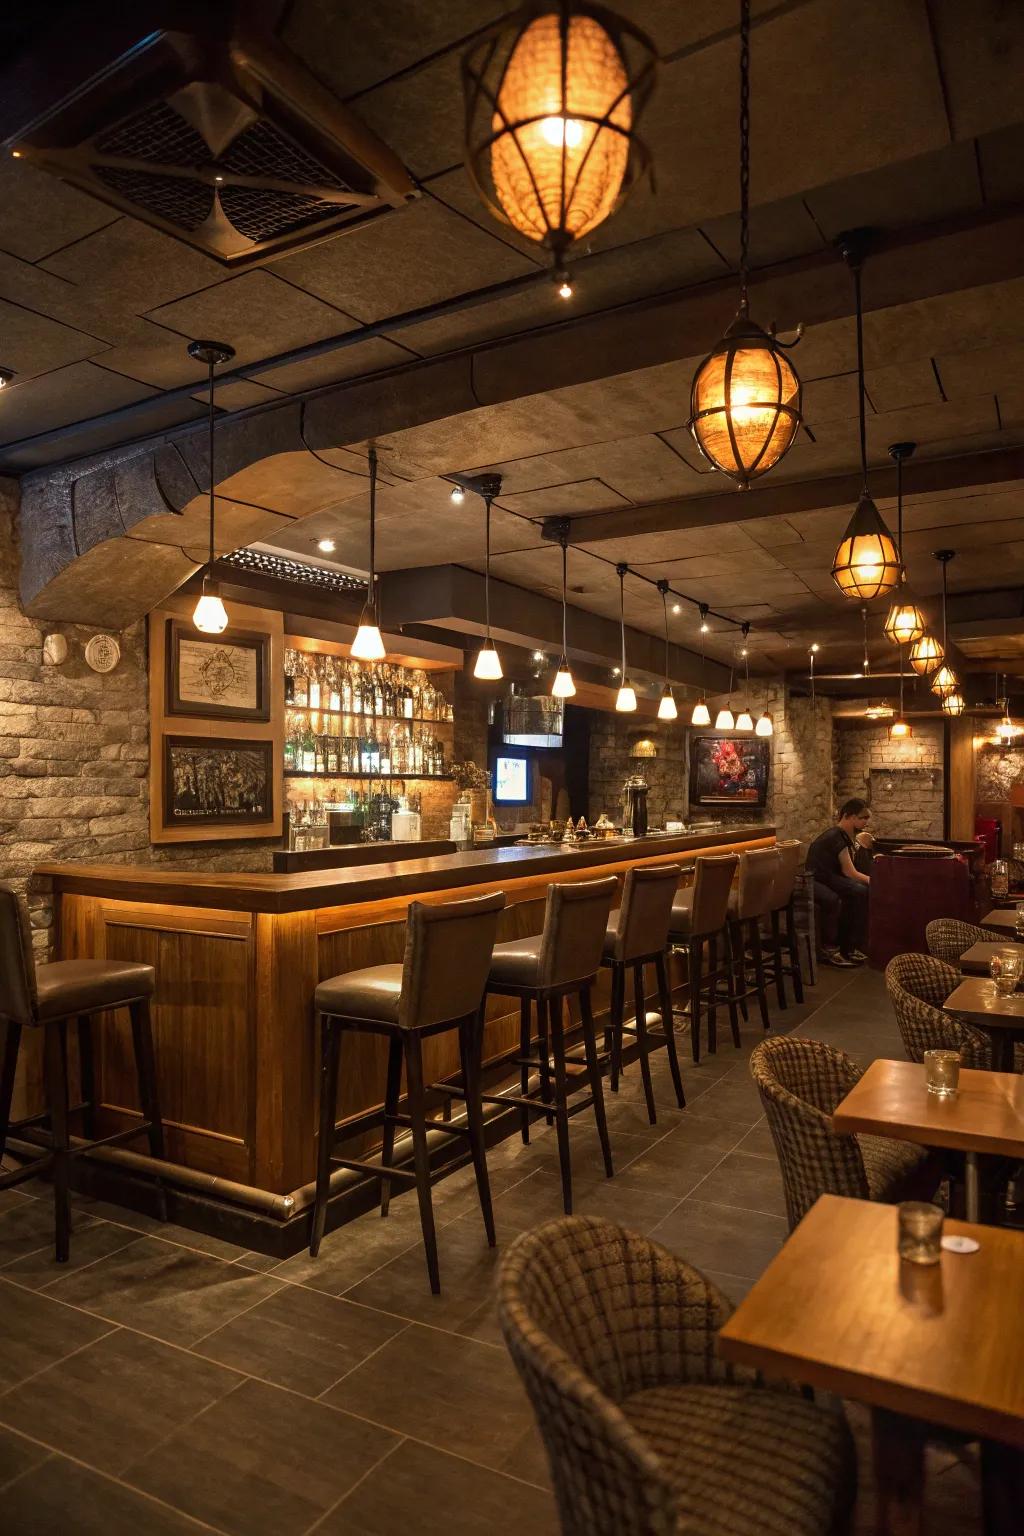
<point x="947" y="938"/>
<point x="647" y="1432"/>
<point x="918" y="985"/>
<point x="801" y="1082"/>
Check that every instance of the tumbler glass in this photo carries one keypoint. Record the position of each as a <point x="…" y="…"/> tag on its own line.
<point x="1019" y="917"/>
<point x="1005" y="969"/>
<point x="942" y="1072"/>
<point x="920" y="1232"/>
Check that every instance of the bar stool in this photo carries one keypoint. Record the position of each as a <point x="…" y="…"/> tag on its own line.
<point x="699" y="918"/>
<point x="637" y="936"/>
<point x="783" y="907"/>
<point x="46" y="997"/>
<point x="438" y="986"/>
<point x="748" y="904"/>
<point x="562" y="961"/>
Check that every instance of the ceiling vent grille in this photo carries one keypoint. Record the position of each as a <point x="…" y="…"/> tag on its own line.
<point x="226" y="142"/>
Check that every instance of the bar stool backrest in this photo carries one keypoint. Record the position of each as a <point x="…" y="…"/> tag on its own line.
<point x="711" y="886"/>
<point x="447" y="957"/>
<point x="646" y="911"/>
<point x="789" y="867"/>
<point x="575" y="924"/>
<point x="17" y="967"/>
<point x="758" y="869"/>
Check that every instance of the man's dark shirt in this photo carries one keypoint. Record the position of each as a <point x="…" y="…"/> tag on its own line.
<point x="823" y="854"/>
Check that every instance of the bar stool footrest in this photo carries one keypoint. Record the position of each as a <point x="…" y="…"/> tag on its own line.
<point x="375" y="1170"/>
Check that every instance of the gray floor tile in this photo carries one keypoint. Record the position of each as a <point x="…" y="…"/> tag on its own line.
<point x="758" y="1142"/>
<point x="733" y="1287"/>
<point x="17" y="1456"/>
<point x="108" y="1404"/>
<point x="722" y="1237"/>
<point x="40" y="1269"/>
<point x="356" y="1250"/>
<point x="175" y="1293"/>
<point x="300" y="1339"/>
<point x="424" y="1490"/>
<point x="36" y="1332"/>
<point x="455" y="1393"/>
<point x="752" y="1183"/>
<point x="467" y="1265"/>
<point x="28" y="1224"/>
<point x="262" y="1462"/>
<point x="60" y="1496"/>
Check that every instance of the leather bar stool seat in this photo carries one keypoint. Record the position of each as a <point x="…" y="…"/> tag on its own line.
<point x="559" y="964"/>
<point x="66" y="988"/>
<point x="748" y="904"/>
<point x="438" y="987"/>
<point x="699" y="922"/>
<point x="48" y="997"/>
<point x="637" y="936"/>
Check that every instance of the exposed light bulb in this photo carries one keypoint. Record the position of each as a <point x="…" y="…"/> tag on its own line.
<point x="744" y="721"/>
<point x="725" y="721"/>
<point x="488" y="663"/>
<point x="557" y="131"/>
<point x="565" y="288"/>
<point x="458" y="495"/>
<point x="6" y="375"/>
<point x="677" y="607"/>
<point x="368" y="644"/>
<point x="563" y="686"/>
<point x="667" y="704"/>
<point x="765" y="726"/>
<point x="539" y="656"/>
<point x="326" y="546"/>
<point x="815" y="648"/>
<point x="701" y="714"/>
<point x="705" y="627"/>
<point x="210" y="616"/>
<point x="616" y="671"/>
<point x="625" y="699"/>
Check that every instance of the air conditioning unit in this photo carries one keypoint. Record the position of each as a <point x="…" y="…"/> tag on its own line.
<point x="200" y="126"/>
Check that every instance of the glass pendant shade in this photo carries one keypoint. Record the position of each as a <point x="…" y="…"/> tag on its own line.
<point x="701" y="714"/>
<point x="724" y="720"/>
<point x="867" y="563"/>
<point x="926" y="654"/>
<point x="945" y="681"/>
<point x="625" y="699"/>
<point x="488" y="663"/>
<point x="210" y="616"/>
<point x="368" y="644"/>
<point x="900" y="730"/>
<point x="765" y="726"/>
<point x="953" y="703"/>
<point x="563" y="686"/>
<point x="667" y="704"/>
<point x="744" y="720"/>
<point x="553" y="94"/>
<point x="904" y="623"/>
<point x="745" y="403"/>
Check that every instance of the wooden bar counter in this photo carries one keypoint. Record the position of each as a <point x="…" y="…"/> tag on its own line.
<point x="238" y="958"/>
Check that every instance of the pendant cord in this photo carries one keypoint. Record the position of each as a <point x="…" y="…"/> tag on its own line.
<point x="864" y="616"/>
<point x="945" y="632"/>
<point x="703" y="669"/>
<point x="373" y="529"/>
<point x="899" y="512"/>
<point x="744" y="152"/>
<point x="860" y="378"/>
<point x="213" y="498"/>
<point x="622" y="622"/>
<point x="900" y="649"/>
<point x="664" y="609"/>
<point x="487" y="564"/>
<point x="564" y="627"/>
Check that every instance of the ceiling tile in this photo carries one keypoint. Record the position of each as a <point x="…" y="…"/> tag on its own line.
<point x="916" y="191"/>
<point x="981" y="51"/>
<point x="42" y="213"/>
<point x="145" y="267"/>
<point x="256" y="313"/>
<point x="565" y="500"/>
<point x="64" y="395"/>
<point x="373" y="355"/>
<point x="33" y="345"/>
<point x="984" y="370"/>
<point x="640" y="469"/>
<point x="895" y="386"/>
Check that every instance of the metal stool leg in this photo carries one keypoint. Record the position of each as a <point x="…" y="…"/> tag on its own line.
<point x="617" y="1014"/>
<point x="794" y="954"/>
<point x="524" y="1070"/>
<point x="330" y="1051"/>
<point x="594" y="1077"/>
<point x="738" y="945"/>
<point x="668" y="1026"/>
<point x="643" y="1041"/>
<point x="554" y="1008"/>
<point x="56" y="1073"/>
<point x="470" y="1051"/>
<point x="730" y="985"/>
<point x="712" y="992"/>
<point x="392" y="1092"/>
<point x="544" y="1044"/>
<point x="759" y="976"/>
<point x="421" y="1156"/>
<point x="693" y="959"/>
<point x="780" y="980"/>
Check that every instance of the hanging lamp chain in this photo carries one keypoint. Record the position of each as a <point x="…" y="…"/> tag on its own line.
<point x="744" y="152"/>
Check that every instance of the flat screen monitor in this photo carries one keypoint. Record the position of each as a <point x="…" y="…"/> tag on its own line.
<point x="512" y="779"/>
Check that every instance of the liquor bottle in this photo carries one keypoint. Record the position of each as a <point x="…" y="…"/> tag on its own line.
<point x="386" y="768"/>
<point x="289" y="676"/>
<point x="374" y="753"/>
<point x="335" y="680"/>
<point x="357" y="690"/>
<point x="308" y="752"/>
<point x="346" y="690"/>
<point x="301" y="683"/>
<point x="331" y="754"/>
<point x="378" y="693"/>
<point x="290" y="760"/>
<point x="314" y="683"/>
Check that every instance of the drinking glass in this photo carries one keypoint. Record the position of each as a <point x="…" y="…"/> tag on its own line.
<point x="920" y="1232"/>
<point x="1005" y="969"/>
<point x="1019" y="917"/>
<point x="942" y="1072"/>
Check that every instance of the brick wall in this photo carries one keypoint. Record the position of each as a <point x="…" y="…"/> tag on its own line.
<point x="902" y="780"/>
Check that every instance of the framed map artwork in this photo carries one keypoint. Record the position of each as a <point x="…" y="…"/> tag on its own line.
<point x="217" y="677"/>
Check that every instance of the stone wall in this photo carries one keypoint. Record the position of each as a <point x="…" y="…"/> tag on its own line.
<point x="902" y="780"/>
<point x="999" y="770"/>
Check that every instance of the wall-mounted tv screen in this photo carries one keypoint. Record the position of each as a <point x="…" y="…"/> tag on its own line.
<point x="512" y="779"/>
<point x="532" y="722"/>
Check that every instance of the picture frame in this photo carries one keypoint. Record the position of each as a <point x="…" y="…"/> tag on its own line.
<point x="729" y="770"/>
<point x="217" y="677"/>
<point x="220" y="782"/>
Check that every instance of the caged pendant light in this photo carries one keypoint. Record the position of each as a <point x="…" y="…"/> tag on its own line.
<point x="553" y="96"/>
<point x="210" y="616"/>
<point x="667" y="703"/>
<point x="904" y="623"/>
<point x="368" y="644"/>
<point x="925" y="654"/>
<point x="745" y="400"/>
<point x="701" y="714"/>
<point x="488" y="663"/>
<point x="625" y="700"/>
<point x="945" y="680"/>
<point x="867" y="563"/>
<point x="563" y="686"/>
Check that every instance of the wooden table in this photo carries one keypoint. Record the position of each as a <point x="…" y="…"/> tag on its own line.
<point x="938" y="1344"/>
<point x="975" y="961"/>
<point x="1001" y="1017"/>
<point x="1003" y="920"/>
<point x="987" y="1114"/>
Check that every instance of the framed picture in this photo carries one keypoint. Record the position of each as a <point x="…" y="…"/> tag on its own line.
<point x="217" y="677"/>
<point x="726" y="770"/>
<point x="212" y="782"/>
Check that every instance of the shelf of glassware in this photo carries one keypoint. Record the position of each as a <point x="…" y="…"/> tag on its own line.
<point x="352" y="714"/>
<point x="410" y="777"/>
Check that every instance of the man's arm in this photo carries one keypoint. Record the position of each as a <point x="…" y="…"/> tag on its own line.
<point x="850" y="870"/>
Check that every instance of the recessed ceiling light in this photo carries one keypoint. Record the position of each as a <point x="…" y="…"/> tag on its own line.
<point x="458" y="495"/>
<point x="538" y="656"/>
<point x="326" y="546"/>
<point x="677" y="607"/>
<point x="6" y="375"/>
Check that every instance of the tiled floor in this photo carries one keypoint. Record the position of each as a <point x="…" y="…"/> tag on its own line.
<point x="165" y="1383"/>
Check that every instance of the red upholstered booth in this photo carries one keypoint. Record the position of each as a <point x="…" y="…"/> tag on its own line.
<point x="907" y="891"/>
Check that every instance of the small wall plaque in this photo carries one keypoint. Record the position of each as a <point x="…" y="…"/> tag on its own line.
<point x="55" y="650"/>
<point x="102" y="653"/>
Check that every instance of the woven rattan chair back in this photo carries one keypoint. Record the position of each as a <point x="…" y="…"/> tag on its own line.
<point x="918" y="985"/>
<point x="948" y="937"/>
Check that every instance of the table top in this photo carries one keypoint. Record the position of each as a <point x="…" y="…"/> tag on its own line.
<point x="839" y="1310"/>
<point x="891" y="1099"/>
<point x="975" y="961"/>
<point x="1002" y="918"/>
<point x="977" y="1000"/>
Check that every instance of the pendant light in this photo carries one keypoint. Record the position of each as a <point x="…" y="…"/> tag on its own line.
<point x="667" y="704"/>
<point x="625" y="701"/>
<point x="701" y="714"/>
<point x="725" y="720"/>
<point x="1006" y="730"/>
<point x="553" y="95"/>
<point x="368" y="644"/>
<point x="563" y="686"/>
<point x="745" y="400"/>
<point x="904" y="623"/>
<point x="210" y="616"/>
<point x="926" y="654"/>
<point x="744" y="721"/>
<point x="867" y="563"/>
<point x="812" y="651"/>
<point x="953" y="703"/>
<point x="900" y="730"/>
<point x="945" y="680"/>
<point x="488" y="662"/>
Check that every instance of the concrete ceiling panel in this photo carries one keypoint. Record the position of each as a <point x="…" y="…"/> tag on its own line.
<point x="63" y="395"/>
<point x="145" y="267"/>
<point x="914" y="191"/>
<point x="1001" y="163"/>
<point x="566" y="500"/>
<point x="42" y="214"/>
<point x="153" y="356"/>
<point x="54" y="297"/>
<point x="238" y="395"/>
<point x="638" y="468"/>
<point x="984" y="370"/>
<point x="678" y="544"/>
<point x="374" y="355"/>
<point x="981" y="51"/>
<point x="779" y="231"/>
<point x="829" y="399"/>
<point x="895" y="386"/>
<point x="257" y="313"/>
<point x="33" y="345"/>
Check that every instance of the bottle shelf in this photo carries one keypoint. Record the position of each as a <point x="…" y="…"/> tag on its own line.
<point x="349" y="714"/>
<point x="302" y="773"/>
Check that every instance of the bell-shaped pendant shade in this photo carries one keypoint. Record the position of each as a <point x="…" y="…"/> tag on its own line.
<point x="488" y="663"/>
<point x="667" y="704"/>
<point x="953" y="703"/>
<point x="625" y="699"/>
<point x="210" y="616"/>
<point x="724" y="720"/>
<point x="904" y="623"/>
<point x="368" y="644"/>
<point x="563" y="686"/>
<point x="765" y="726"/>
<point x="744" y="720"/>
<point x="745" y="403"/>
<point x="945" y="681"/>
<point x="925" y="654"/>
<point x="701" y="714"/>
<point x="900" y="730"/>
<point x="867" y="563"/>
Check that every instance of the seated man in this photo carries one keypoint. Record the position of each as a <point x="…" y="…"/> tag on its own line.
<point x="840" y="887"/>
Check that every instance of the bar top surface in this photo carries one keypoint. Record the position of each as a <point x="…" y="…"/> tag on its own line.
<point x="347" y="886"/>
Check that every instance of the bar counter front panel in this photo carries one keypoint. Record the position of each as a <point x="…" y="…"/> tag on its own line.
<point x="238" y="958"/>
